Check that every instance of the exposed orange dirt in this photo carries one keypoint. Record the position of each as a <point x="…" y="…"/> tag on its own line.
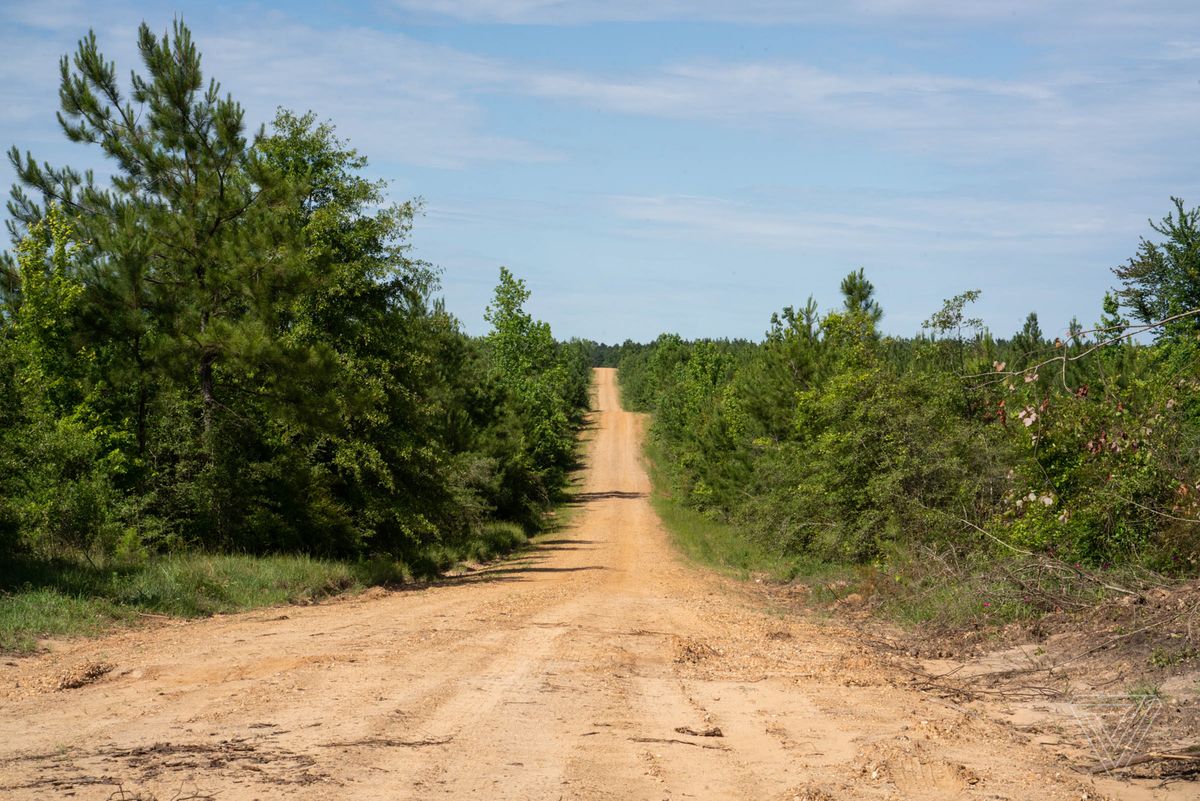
<point x="597" y="665"/>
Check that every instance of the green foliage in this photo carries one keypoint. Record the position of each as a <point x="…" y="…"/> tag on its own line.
<point x="714" y="543"/>
<point x="859" y="297"/>
<point x="59" y="459"/>
<point x="827" y="441"/>
<point x="546" y="380"/>
<point x="1163" y="279"/>
<point x="230" y="348"/>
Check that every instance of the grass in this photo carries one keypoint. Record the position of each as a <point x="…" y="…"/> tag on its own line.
<point x="28" y="616"/>
<point x="1162" y="657"/>
<point x="1144" y="691"/>
<point x="66" y="597"/>
<point x="945" y="602"/>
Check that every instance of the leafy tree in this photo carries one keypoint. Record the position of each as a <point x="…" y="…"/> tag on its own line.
<point x="238" y="351"/>
<point x="1163" y="279"/>
<point x="949" y="322"/>
<point x="951" y="318"/>
<point x="188" y="245"/>
<point x="528" y="363"/>
<point x="829" y="441"/>
<point x="58" y="458"/>
<point x="791" y="360"/>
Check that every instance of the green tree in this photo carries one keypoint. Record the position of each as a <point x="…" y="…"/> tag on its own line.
<point x="858" y="297"/>
<point x="188" y="243"/>
<point x="790" y="360"/>
<point x="1163" y="279"/>
<point x="529" y="365"/>
<point x="57" y="458"/>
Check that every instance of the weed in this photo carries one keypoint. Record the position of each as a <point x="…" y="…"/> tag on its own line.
<point x="1162" y="657"/>
<point x="1144" y="691"/>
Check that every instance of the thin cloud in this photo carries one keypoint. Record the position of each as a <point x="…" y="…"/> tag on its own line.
<point x="948" y="222"/>
<point x="1034" y="13"/>
<point x="1072" y="122"/>
<point x="393" y="96"/>
<point x="397" y="99"/>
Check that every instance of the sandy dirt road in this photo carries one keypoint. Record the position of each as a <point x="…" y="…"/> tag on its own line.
<point x="584" y="669"/>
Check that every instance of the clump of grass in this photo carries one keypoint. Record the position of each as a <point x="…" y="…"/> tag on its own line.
<point x="1143" y="691"/>
<point x="382" y="571"/>
<point x="497" y="539"/>
<point x="26" y="617"/>
<point x="194" y="585"/>
<point x="1162" y="657"/>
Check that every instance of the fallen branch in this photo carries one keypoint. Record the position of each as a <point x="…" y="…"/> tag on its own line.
<point x="387" y="742"/>
<point x="1186" y="755"/>
<point x="676" y="741"/>
<point x="711" y="731"/>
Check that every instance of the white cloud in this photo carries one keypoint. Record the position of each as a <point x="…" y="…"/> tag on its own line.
<point x="1083" y="13"/>
<point x="49" y="14"/>
<point x="1070" y="122"/>
<point x="393" y="96"/>
<point x="757" y="91"/>
<point x="405" y="100"/>
<point x="949" y="223"/>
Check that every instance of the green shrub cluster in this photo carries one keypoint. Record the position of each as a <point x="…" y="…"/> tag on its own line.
<point x="827" y="440"/>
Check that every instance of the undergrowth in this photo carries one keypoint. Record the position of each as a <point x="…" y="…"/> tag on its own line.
<point x="913" y="586"/>
<point x="71" y="596"/>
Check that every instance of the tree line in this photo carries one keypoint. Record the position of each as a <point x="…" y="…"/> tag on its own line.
<point x="829" y="440"/>
<point x="230" y="346"/>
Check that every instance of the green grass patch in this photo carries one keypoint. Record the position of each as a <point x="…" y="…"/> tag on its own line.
<point x="950" y="604"/>
<point x="25" y="617"/>
<point x="198" y="585"/>
<point x="65" y="597"/>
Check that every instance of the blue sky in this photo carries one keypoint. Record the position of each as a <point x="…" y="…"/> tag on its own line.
<point x="694" y="165"/>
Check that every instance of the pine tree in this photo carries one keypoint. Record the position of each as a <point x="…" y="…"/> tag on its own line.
<point x="185" y="253"/>
<point x="859" y="296"/>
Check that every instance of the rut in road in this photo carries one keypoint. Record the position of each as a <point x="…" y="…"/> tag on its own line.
<point x="591" y="667"/>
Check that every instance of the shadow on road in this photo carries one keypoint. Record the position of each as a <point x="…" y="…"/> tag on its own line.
<point x="588" y="497"/>
<point x="508" y="571"/>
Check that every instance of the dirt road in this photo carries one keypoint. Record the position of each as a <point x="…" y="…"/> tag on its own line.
<point x="589" y="668"/>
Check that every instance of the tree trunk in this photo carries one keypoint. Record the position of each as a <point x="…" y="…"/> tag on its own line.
<point x="208" y="397"/>
<point x="143" y="396"/>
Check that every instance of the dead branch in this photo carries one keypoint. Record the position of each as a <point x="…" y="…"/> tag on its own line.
<point x="676" y="741"/>
<point x="1191" y="754"/>
<point x="387" y="742"/>
<point x="1127" y="332"/>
